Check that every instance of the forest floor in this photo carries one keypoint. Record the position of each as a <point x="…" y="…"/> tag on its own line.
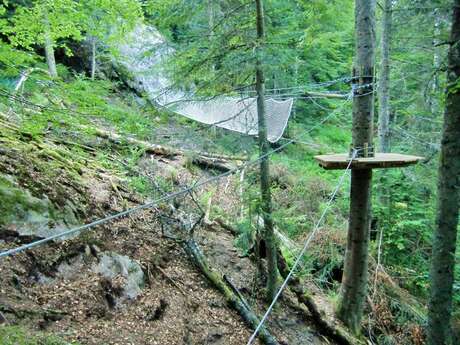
<point x="131" y="281"/>
<point x="56" y="289"/>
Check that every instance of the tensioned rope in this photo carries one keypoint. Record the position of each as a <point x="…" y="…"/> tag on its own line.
<point x="332" y="114"/>
<point x="299" y="257"/>
<point x="299" y="141"/>
<point x="301" y="88"/>
<point x="155" y="202"/>
<point x="10" y="95"/>
<point x="403" y="133"/>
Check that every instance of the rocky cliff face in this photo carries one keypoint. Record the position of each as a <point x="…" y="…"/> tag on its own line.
<point x="140" y="64"/>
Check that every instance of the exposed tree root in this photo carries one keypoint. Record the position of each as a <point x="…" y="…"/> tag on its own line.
<point x="327" y="325"/>
<point x="235" y="301"/>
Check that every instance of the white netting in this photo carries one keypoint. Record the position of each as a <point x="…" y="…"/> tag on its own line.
<point x="143" y="57"/>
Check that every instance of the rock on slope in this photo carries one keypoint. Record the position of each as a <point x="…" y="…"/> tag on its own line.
<point x="125" y="282"/>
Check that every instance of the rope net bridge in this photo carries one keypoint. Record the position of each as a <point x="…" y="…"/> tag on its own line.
<point x="233" y="113"/>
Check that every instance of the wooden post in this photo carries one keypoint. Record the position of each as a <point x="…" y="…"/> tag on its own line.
<point x="354" y="282"/>
<point x="268" y="233"/>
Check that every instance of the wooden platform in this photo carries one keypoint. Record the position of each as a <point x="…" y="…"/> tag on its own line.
<point x="380" y="161"/>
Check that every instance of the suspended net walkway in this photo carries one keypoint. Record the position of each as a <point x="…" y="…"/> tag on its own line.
<point x="143" y="58"/>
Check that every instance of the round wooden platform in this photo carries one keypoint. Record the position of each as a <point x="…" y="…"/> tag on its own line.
<point x="380" y="161"/>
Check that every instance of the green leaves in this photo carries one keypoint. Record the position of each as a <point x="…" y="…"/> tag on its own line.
<point x="28" y="25"/>
<point x="68" y="19"/>
<point x="110" y="20"/>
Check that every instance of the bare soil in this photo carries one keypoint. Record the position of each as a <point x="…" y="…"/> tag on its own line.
<point x="54" y="289"/>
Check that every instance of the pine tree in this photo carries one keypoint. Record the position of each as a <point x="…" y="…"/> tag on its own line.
<point x="108" y="22"/>
<point x="445" y="234"/>
<point x="268" y="234"/>
<point x="384" y="81"/>
<point x="353" y="290"/>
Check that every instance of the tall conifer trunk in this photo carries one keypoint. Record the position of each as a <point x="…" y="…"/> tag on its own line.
<point x="432" y="97"/>
<point x="445" y="234"/>
<point x="384" y="102"/>
<point x="354" y="282"/>
<point x="268" y="233"/>
<point x="384" y="82"/>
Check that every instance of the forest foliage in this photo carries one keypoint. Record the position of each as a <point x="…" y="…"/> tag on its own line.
<point x="309" y="43"/>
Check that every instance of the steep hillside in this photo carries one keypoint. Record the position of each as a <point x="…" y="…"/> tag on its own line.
<point x="130" y="280"/>
<point x="124" y="221"/>
<point x="74" y="151"/>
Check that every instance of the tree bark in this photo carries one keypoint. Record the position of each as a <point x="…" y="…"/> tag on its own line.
<point x="384" y="103"/>
<point x="49" y="48"/>
<point x="384" y="83"/>
<point x="211" y="16"/>
<point x="268" y="234"/>
<point x="445" y="234"/>
<point x="433" y="93"/>
<point x="354" y="282"/>
<point x="93" y="57"/>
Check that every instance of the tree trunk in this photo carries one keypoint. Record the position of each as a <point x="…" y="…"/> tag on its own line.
<point x="93" y="57"/>
<point x="296" y="82"/>
<point x="268" y="234"/>
<point x="354" y="282"/>
<point x="384" y="103"/>
<point x="384" y="83"/>
<point x="49" y="48"/>
<point x="433" y="93"/>
<point x="211" y="24"/>
<point x="211" y="16"/>
<point x="445" y="234"/>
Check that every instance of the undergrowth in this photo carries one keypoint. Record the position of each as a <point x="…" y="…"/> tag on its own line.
<point x="14" y="335"/>
<point x="69" y="108"/>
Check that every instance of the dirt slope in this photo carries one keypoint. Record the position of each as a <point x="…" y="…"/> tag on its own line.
<point x="59" y="288"/>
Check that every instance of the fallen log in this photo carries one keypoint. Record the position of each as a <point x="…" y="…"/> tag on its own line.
<point x="203" y="159"/>
<point x="22" y="312"/>
<point x="159" y="149"/>
<point x="193" y="250"/>
<point x="328" y="326"/>
<point x="325" y="95"/>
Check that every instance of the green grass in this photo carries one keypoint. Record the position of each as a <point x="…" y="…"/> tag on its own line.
<point x="14" y="335"/>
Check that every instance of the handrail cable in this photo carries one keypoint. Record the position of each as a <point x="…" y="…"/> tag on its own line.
<point x="155" y="202"/>
<point x="299" y="257"/>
